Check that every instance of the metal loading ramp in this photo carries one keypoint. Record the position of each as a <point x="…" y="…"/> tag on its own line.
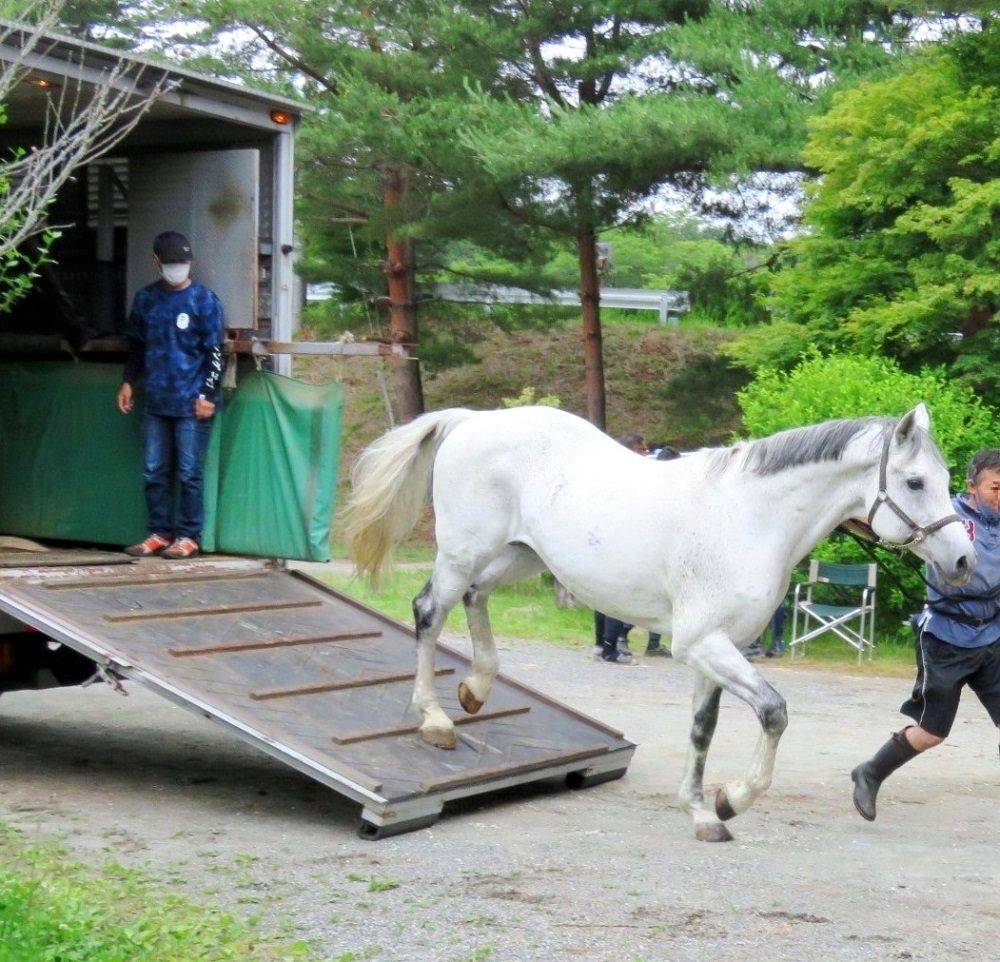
<point x="312" y="677"/>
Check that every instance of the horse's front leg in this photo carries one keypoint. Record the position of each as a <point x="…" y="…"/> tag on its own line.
<point x="721" y="664"/>
<point x="707" y="825"/>
<point x="429" y="614"/>
<point x="734" y="798"/>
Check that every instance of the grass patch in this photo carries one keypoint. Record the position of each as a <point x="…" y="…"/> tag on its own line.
<point x="53" y="910"/>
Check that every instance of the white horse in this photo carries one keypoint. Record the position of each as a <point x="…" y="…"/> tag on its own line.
<point x="700" y="548"/>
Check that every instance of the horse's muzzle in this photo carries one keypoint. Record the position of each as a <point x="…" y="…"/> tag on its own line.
<point x="960" y="572"/>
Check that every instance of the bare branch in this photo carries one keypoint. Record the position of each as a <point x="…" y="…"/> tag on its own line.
<point x="82" y="123"/>
<point x="42" y="15"/>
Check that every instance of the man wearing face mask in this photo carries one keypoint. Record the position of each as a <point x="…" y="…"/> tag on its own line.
<point x="958" y="640"/>
<point x="175" y="332"/>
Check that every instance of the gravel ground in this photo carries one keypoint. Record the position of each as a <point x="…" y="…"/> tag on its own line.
<point x="608" y="874"/>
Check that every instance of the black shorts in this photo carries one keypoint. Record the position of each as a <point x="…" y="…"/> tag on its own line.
<point x="943" y="670"/>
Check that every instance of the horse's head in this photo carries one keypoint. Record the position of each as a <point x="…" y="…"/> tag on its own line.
<point x="912" y="507"/>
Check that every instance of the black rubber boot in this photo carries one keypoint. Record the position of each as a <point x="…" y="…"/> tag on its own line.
<point x="868" y="776"/>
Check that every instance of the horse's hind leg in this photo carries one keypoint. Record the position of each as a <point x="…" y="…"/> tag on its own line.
<point x="430" y="609"/>
<point x="450" y="582"/>
<point x="708" y="827"/>
<point x="517" y="562"/>
<point x="475" y="688"/>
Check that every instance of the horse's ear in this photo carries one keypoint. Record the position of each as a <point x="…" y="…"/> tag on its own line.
<point x="909" y="422"/>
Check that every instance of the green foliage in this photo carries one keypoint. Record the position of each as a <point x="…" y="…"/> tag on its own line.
<point x="528" y="396"/>
<point x="641" y="253"/>
<point x="670" y="252"/>
<point x="721" y="280"/>
<point x="901" y="256"/>
<point x="821" y="388"/>
<point x="374" y="884"/>
<point x="84" y="19"/>
<point x="19" y="267"/>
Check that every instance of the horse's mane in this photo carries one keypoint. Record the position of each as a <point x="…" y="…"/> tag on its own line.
<point x="799" y="446"/>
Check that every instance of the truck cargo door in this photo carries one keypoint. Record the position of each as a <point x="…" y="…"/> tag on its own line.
<point x="212" y="198"/>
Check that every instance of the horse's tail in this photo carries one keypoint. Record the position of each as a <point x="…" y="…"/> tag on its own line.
<point x="390" y="485"/>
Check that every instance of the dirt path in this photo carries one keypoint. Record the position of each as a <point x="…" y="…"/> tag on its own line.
<point x="608" y="874"/>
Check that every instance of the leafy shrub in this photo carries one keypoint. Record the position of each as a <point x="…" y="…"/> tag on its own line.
<point x="848" y="386"/>
<point x="528" y="396"/>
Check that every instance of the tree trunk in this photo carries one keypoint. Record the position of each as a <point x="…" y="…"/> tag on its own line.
<point x="593" y="341"/>
<point x="404" y="374"/>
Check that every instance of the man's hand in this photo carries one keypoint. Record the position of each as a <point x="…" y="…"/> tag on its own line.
<point x="203" y="409"/>
<point x="125" y="398"/>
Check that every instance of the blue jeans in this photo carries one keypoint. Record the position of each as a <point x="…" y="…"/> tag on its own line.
<point x="778" y="623"/>
<point x="175" y="445"/>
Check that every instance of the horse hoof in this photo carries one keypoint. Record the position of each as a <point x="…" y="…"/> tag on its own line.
<point x="712" y="832"/>
<point x="723" y="809"/>
<point x="440" y="737"/>
<point x="468" y="701"/>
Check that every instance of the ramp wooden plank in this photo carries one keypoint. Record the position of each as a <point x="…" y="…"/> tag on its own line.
<point x="268" y="643"/>
<point x="201" y="611"/>
<point x="387" y="678"/>
<point x="53" y="559"/>
<point x="391" y="731"/>
<point x="142" y="578"/>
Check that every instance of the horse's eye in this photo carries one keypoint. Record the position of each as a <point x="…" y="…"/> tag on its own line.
<point x="915" y="484"/>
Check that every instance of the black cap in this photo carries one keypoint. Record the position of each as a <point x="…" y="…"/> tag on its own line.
<point x="172" y="248"/>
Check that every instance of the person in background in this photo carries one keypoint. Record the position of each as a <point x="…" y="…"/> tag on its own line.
<point x="611" y="634"/>
<point x="175" y="333"/>
<point x="667" y="453"/>
<point x="958" y="640"/>
<point x="777" y="649"/>
<point x="655" y="646"/>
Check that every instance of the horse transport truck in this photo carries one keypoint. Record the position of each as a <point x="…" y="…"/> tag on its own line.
<point x="240" y="635"/>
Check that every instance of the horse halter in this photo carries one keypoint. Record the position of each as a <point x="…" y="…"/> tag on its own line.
<point x="918" y="532"/>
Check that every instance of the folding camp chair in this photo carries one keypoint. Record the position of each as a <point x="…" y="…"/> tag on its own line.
<point x="838" y="598"/>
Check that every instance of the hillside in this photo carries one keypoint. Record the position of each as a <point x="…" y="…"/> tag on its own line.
<point x="667" y="383"/>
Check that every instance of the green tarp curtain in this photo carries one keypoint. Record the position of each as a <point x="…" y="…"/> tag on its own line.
<point x="277" y="468"/>
<point x="71" y="463"/>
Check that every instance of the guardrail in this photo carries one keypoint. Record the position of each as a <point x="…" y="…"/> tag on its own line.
<point x="668" y="304"/>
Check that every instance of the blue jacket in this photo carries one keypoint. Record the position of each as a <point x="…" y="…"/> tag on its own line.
<point x="968" y="617"/>
<point x="176" y="337"/>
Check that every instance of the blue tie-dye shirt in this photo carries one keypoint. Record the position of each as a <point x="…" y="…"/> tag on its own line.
<point x="176" y="338"/>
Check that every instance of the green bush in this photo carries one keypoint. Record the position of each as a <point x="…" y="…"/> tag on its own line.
<point x="821" y="388"/>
